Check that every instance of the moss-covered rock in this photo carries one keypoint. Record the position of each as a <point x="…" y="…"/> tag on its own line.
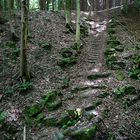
<point x="69" y="118"/>
<point x="109" y="51"/>
<point x="33" y="111"/>
<point x="103" y="95"/>
<point x="45" y="45"/>
<point x="54" y="105"/>
<point x="98" y="75"/>
<point x="51" y="121"/>
<point x="122" y="91"/>
<point x="82" y="133"/>
<point x="113" y="43"/>
<point x="93" y="106"/>
<point x="52" y="100"/>
<point x="63" y="62"/>
<point x="120" y="75"/>
<point x="66" y="52"/>
<point x="50" y="96"/>
<point x="111" y="58"/>
<point x="119" y="48"/>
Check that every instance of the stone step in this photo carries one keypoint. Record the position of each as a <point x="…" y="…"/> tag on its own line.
<point x="98" y="76"/>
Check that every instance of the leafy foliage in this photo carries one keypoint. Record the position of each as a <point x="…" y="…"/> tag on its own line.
<point x="25" y="86"/>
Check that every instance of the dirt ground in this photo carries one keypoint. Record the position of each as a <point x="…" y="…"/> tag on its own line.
<point x="119" y="122"/>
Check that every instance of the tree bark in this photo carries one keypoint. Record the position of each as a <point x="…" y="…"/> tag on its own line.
<point x="67" y="5"/>
<point x="78" y="23"/>
<point x="42" y="4"/>
<point x="24" y="31"/>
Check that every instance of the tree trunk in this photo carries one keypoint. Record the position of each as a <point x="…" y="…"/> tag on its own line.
<point x="67" y="5"/>
<point x="95" y="7"/>
<point x="78" y="23"/>
<point x="18" y="4"/>
<point x="53" y="5"/>
<point x="42" y="4"/>
<point x="24" y="31"/>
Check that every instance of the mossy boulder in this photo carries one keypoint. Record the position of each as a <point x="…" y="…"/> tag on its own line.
<point x="50" y="96"/>
<point x="93" y="106"/>
<point x="34" y="110"/>
<point x="119" y="48"/>
<point x="125" y="90"/>
<point x="113" y="43"/>
<point x="52" y="100"/>
<point x="109" y="51"/>
<point x="63" y="62"/>
<point x="51" y="121"/>
<point x="54" y="105"/>
<point x="118" y="65"/>
<point x="111" y="58"/>
<point x="66" y="52"/>
<point x="45" y="45"/>
<point x="68" y="118"/>
<point x="103" y="95"/>
<point x="120" y="75"/>
<point x="98" y="75"/>
<point x="82" y="133"/>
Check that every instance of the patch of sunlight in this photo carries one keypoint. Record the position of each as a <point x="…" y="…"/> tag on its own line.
<point x="94" y="112"/>
<point x="73" y="21"/>
<point x="88" y="93"/>
<point x="86" y="13"/>
<point x="92" y="83"/>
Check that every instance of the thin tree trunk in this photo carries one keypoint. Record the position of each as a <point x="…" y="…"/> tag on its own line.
<point x="23" y="52"/>
<point x="18" y="4"/>
<point x="107" y="8"/>
<point x="53" y="5"/>
<point x="67" y="4"/>
<point x="78" y="23"/>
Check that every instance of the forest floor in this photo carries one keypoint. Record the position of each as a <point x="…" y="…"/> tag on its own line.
<point x="91" y="94"/>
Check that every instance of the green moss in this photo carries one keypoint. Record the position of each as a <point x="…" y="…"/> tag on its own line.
<point x="45" y="45"/>
<point x="103" y="95"/>
<point x="68" y="118"/>
<point x="120" y="75"/>
<point x="66" y="52"/>
<point x="63" y="62"/>
<point x="33" y="111"/>
<point x="54" y="105"/>
<point x="109" y="51"/>
<point x="122" y="91"/>
<point x="51" y="121"/>
<point x="113" y="43"/>
<point x="51" y="96"/>
<point x="83" y="133"/>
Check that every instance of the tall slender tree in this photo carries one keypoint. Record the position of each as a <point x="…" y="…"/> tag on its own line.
<point x="67" y="7"/>
<point x="24" y="73"/>
<point x="42" y="4"/>
<point x="78" y="23"/>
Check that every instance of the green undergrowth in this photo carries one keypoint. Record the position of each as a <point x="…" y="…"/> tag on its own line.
<point x="135" y="71"/>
